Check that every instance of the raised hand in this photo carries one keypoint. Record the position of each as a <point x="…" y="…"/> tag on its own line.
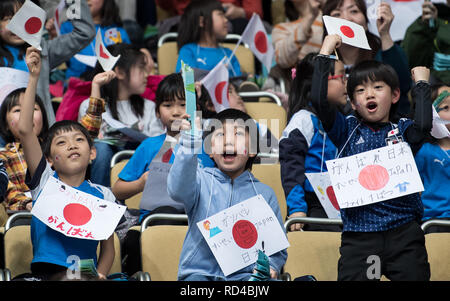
<point x="33" y="61"/>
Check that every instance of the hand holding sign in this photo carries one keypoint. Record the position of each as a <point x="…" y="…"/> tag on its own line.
<point x="351" y="33"/>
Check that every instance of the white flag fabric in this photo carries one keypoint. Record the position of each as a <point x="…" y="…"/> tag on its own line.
<point x="28" y="23"/>
<point x="351" y="33"/>
<point x="216" y="82"/>
<point x="106" y="60"/>
<point x="255" y="36"/>
<point x="11" y="79"/>
<point x="58" y="12"/>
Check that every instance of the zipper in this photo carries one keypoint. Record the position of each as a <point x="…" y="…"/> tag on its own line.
<point x="231" y="194"/>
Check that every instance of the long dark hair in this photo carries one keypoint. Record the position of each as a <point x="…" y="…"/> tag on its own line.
<point x="110" y="14"/>
<point x="129" y="56"/>
<point x="300" y="93"/>
<point x="374" y="41"/>
<point x="189" y="30"/>
<point x="7" y="9"/>
<point x="12" y="100"/>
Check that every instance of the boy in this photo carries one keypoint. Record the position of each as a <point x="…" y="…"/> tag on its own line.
<point x="388" y="229"/>
<point x="66" y="153"/>
<point x="207" y="191"/>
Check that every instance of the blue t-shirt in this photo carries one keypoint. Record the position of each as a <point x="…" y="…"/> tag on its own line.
<point x="19" y="63"/>
<point x="50" y="246"/>
<point x="110" y="34"/>
<point x="433" y="164"/>
<point x="206" y="58"/>
<point x="139" y="163"/>
<point x="353" y="137"/>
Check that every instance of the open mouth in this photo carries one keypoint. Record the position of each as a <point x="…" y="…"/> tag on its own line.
<point x="74" y="156"/>
<point x="371" y="107"/>
<point x="229" y="157"/>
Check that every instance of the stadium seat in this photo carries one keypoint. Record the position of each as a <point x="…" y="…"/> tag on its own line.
<point x="272" y="115"/>
<point x="269" y="174"/>
<point x="438" y="246"/>
<point x="167" y="54"/>
<point x="161" y="247"/>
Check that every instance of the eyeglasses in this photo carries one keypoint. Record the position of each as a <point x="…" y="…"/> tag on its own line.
<point x="338" y="76"/>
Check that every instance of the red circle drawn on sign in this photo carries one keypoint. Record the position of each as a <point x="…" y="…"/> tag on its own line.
<point x="373" y="177"/>
<point x="77" y="214"/>
<point x="245" y="234"/>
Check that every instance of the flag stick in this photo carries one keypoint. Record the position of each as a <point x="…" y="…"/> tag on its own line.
<point x="335" y="53"/>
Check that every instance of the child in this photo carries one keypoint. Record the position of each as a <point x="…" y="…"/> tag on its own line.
<point x="207" y="191"/>
<point x="388" y="229"/>
<point x="65" y="155"/>
<point x="124" y="106"/>
<point x="304" y="147"/>
<point x="17" y="196"/>
<point x="55" y="52"/>
<point x="105" y="15"/>
<point x="202" y="26"/>
<point x="170" y="107"/>
<point x="433" y="161"/>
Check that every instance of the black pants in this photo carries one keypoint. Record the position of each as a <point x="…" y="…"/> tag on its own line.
<point x="315" y="209"/>
<point x="399" y="254"/>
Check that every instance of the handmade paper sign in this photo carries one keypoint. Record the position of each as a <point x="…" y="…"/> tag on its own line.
<point x="255" y="36"/>
<point x="11" y="79"/>
<point x="28" y="23"/>
<point x="216" y="82"/>
<point x="189" y="90"/>
<point x="106" y="60"/>
<point x="374" y="176"/>
<point x="235" y="234"/>
<point x="321" y="184"/>
<point x="75" y="213"/>
<point x="351" y="33"/>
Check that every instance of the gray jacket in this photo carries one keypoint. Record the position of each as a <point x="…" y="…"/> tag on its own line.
<point x="61" y="49"/>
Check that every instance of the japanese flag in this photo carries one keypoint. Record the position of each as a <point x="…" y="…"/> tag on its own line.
<point x="28" y="23"/>
<point x="58" y="11"/>
<point x="106" y="60"/>
<point x="256" y="37"/>
<point x="351" y="33"/>
<point x="216" y="82"/>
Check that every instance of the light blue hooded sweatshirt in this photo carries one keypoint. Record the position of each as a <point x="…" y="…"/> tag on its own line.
<point x="205" y="192"/>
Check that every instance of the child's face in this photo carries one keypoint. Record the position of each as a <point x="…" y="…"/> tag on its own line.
<point x="220" y="24"/>
<point x="12" y="119"/>
<point x="70" y="153"/>
<point x="337" y="93"/>
<point x="7" y="36"/>
<point x="444" y="107"/>
<point x="169" y="111"/>
<point x="230" y="148"/>
<point x="235" y="99"/>
<point x="373" y="100"/>
<point x="138" y="79"/>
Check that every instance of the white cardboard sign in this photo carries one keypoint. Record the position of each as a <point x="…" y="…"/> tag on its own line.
<point x="75" y="213"/>
<point x="235" y="234"/>
<point x="374" y="176"/>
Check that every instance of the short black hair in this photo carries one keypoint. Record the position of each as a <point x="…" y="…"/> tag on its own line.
<point x="170" y="87"/>
<point x="63" y="126"/>
<point x="240" y="117"/>
<point x="13" y="99"/>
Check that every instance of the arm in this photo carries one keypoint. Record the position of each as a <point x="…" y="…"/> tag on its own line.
<point x="106" y="257"/>
<point x="15" y="198"/>
<point x="65" y="46"/>
<point x="124" y="189"/>
<point x="384" y="21"/>
<point x="31" y="146"/>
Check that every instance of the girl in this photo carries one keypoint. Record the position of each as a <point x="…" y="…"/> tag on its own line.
<point x="17" y="197"/>
<point x="383" y="49"/>
<point x="203" y="25"/>
<point x="105" y="15"/>
<point x="54" y="52"/>
<point x="125" y="108"/>
<point x="433" y="163"/>
<point x="303" y="146"/>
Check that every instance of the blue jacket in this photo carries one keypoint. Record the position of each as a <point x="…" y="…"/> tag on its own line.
<point x="301" y="148"/>
<point x="205" y="192"/>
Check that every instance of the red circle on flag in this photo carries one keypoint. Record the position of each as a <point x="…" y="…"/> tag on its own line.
<point x="261" y="42"/>
<point x="347" y="31"/>
<point x="77" y="214"/>
<point x="167" y="155"/>
<point x="218" y="91"/>
<point x="373" y="177"/>
<point x="245" y="234"/>
<point x="33" y="25"/>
